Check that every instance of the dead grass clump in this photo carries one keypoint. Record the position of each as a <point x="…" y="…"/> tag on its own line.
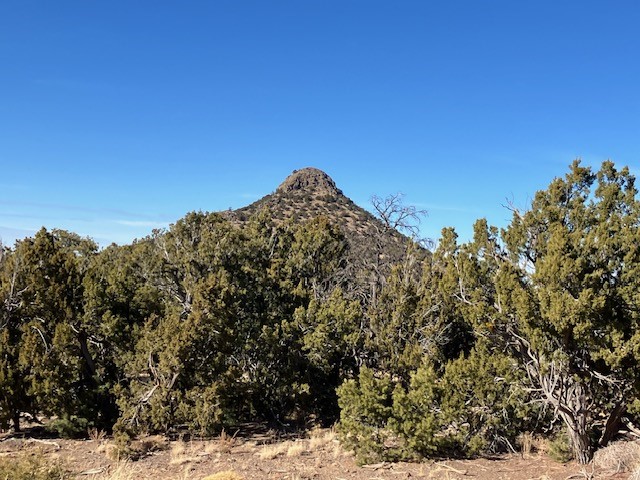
<point x="226" y="475"/>
<point x="327" y="439"/>
<point x="134" y="450"/>
<point x="338" y="451"/>
<point x="224" y="443"/>
<point x="321" y="438"/>
<point x="271" y="451"/>
<point x="619" y="457"/>
<point x="96" y="435"/>
<point x="183" y="452"/>
<point x="296" y="449"/>
<point x="122" y="471"/>
<point x="146" y="445"/>
<point x="530" y="444"/>
<point x="246" y="447"/>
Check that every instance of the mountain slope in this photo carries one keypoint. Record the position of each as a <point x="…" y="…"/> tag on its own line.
<point x="309" y="193"/>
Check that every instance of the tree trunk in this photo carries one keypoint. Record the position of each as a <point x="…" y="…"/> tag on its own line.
<point x="613" y="425"/>
<point x="84" y="348"/>
<point x="581" y="446"/>
<point x="16" y="422"/>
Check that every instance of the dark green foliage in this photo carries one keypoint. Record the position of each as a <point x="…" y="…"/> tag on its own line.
<point x="482" y="396"/>
<point x="560" y="447"/>
<point x="237" y="339"/>
<point x="234" y="317"/>
<point x="476" y="405"/>
<point x="49" y="364"/>
<point x="366" y="407"/>
<point x="69" y="426"/>
<point x="13" y="387"/>
<point x="567" y="282"/>
<point x="415" y="316"/>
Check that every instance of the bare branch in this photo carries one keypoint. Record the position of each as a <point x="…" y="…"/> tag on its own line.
<point x="397" y="216"/>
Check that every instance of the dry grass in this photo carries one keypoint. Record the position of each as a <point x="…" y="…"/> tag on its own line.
<point x="338" y="451"/>
<point x="619" y="457"/>
<point x="297" y="448"/>
<point x="178" y="448"/>
<point x="226" y="475"/>
<point x="152" y="443"/>
<point x="135" y="450"/>
<point x="32" y="467"/>
<point x="321" y="438"/>
<point x="531" y="444"/>
<point x="269" y="452"/>
<point x="327" y="439"/>
<point x="223" y="444"/>
<point x="183" y="452"/>
<point x="97" y="435"/>
<point x="123" y="471"/>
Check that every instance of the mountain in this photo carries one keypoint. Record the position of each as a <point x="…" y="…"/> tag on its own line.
<point x="309" y="193"/>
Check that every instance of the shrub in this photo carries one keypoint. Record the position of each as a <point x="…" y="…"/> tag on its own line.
<point x="69" y="427"/>
<point x="472" y="407"/>
<point x="560" y="448"/>
<point x="31" y="468"/>
<point x="366" y="408"/>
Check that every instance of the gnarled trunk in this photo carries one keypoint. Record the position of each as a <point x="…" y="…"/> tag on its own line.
<point x="559" y="389"/>
<point x="581" y="446"/>
<point x="572" y="405"/>
<point x="613" y="424"/>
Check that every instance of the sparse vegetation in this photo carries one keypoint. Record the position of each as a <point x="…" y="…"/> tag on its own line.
<point x="185" y="452"/>
<point x="123" y="470"/>
<point x="226" y="475"/>
<point x="296" y="449"/>
<point x="31" y="467"/>
<point x="271" y="451"/>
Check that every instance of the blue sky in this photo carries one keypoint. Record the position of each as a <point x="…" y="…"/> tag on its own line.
<point x="120" y="117"/>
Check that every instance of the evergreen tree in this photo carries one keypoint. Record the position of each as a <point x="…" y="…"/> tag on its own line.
<point x="48" y="362"/>
<point x="563" y="298"/>
<point x="13" y="384"/>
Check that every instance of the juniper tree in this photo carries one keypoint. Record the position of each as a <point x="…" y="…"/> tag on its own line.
<point x="49" y="362"/>
<point x="432" y="387"/>
<point x="13" y="384"/>
<point x="563" y="298"/>
<point x="229" y="345"/>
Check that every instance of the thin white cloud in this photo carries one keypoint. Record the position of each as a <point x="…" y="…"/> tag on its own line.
<point x="142" y="223"/>
<point x="9" y="235"/>
<point x="79" y="208"/>
<point x="445" y="208"/>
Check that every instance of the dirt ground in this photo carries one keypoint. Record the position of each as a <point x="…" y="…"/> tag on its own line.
<point x="318" y="457"/>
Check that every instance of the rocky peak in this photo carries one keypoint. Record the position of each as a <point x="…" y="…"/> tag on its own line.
<point x="309" y="180"/>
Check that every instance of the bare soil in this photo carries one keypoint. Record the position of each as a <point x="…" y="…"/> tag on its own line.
<point x="316" y="457"/>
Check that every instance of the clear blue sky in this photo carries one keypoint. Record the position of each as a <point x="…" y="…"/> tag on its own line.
<point x="118" y="117"/>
